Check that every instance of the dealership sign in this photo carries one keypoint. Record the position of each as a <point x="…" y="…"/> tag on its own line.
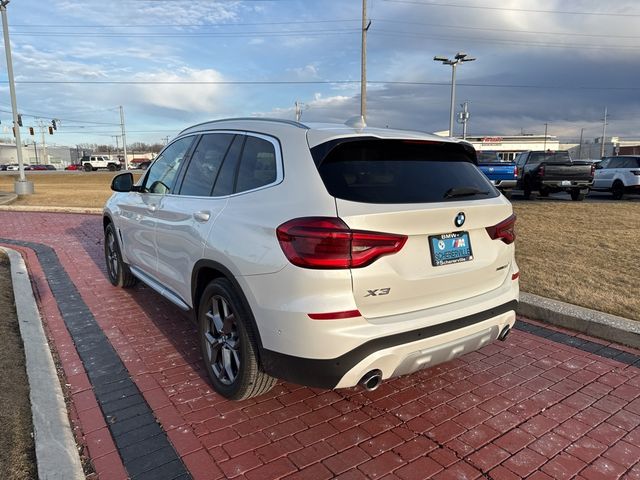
<point x="492" y="141"/>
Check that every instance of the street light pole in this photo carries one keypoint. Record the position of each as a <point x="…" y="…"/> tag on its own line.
<point x="460" y="57"/>
<point x="22" y="186"/>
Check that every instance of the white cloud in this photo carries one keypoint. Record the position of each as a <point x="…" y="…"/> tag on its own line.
<point x="187" y="97"/>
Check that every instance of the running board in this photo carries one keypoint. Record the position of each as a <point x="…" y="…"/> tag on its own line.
<point x="161" y="289"/>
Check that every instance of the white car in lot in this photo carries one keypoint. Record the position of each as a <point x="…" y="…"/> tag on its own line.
<point x="618" y="175"/>
<point x="325" y="255"/>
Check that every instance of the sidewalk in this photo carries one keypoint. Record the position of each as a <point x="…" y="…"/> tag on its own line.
<point x="546" y="403"/>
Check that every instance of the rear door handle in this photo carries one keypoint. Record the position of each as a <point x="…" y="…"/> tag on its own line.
<point x="202" y="216"/>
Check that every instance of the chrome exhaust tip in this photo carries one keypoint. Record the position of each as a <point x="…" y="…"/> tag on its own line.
<point x="372" y="380"/>
<point x="504" y="333"/>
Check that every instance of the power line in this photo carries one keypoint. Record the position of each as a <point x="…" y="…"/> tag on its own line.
<point x="466" y="27"/>
<point x="303" y="82"/>
<point x="184" y="25"/>
<point x="281" y="33"/>
<point x="509" y="42"/>
<point x="527" y="10"/>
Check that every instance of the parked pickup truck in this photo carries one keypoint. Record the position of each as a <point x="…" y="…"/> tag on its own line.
<point x="91" y="163"/>
<point x="548" y="172"/>
<point x="502" y="173"/>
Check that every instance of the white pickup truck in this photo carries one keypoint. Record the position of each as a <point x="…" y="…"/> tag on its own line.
<point x="91" y="163"/>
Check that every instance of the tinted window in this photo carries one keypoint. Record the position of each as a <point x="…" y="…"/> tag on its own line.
<point x="489" y="157"/>
<point x="549" y="157"/>
<point x="395" y="171"/>
<point x="227" y="175"/>
<point x="162" y="174"/>
<point x="616" y="163"/>
<point x="257" y="165"/>
<point x="631" y="162"/>
<point x="205" y="164"/>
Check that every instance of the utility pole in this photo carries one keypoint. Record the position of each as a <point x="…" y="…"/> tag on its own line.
<point x="298" y="106"/>
<point x="363" y="64"/>
<point x="580" y="147"/>
<point x="21" y="186"/>
<point x="463" y="118"/>
<point x="604" y="133"/>
<point x="42" y="126"/>
<point x="545" y="136"/>
<point x="124" y="139"/>
<point x="35" y="149"/>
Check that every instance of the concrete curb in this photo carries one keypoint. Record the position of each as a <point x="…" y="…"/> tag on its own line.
<point x="7" y="197"/>
<point x="25" y="208"/>
<point x="591" y="322"/>
<point x="56" y="451"/>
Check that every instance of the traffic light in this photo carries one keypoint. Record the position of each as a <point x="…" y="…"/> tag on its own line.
<point x="53" y="124"/>
<point x="31" y="131"/>
<point x="19" y="120"/>
<point x="50" y="130"/>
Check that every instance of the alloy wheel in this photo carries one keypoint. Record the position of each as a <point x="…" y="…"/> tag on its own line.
<point x="222" y="341"/>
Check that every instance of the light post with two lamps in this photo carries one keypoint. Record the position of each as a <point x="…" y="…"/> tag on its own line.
<point x="459" y="58"/>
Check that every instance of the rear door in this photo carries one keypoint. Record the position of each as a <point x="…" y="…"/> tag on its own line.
<point x="436" y="197"/>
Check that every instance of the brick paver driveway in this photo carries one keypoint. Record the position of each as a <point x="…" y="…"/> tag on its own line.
<point x="541" y="405"/>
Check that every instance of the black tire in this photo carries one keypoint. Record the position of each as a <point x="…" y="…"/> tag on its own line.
<point x="228" y="344"/>
<point x="527" y="190"/>
<point x="87" y="167"/>
<point x="111" y="167"/>
<point x="617" y="190"/>
<point x="544" y="192"/>
<point x="118" y="272"/>
<point x="577" y="195"/>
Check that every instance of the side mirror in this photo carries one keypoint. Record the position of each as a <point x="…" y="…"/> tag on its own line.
<point x="122" y="182"/>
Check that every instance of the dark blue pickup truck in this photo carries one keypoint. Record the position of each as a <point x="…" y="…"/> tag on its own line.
<point x="503" y="174"/>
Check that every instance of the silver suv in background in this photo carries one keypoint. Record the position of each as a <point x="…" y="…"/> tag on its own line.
<point x="325" y="255"/>
<point x="618" y="175"/>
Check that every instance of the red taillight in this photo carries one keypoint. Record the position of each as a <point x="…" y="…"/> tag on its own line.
<point x="327" y="242"/>
<point x="515" y="276"/>
<point x="541" y="170"/>
<point x="593" y="169"/>
<point x="335" y="315"/>
<point x="515" y="172"/>
<point x="505" y="230"/>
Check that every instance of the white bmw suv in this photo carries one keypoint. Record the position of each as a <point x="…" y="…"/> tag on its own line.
<point x="325" y="255"/>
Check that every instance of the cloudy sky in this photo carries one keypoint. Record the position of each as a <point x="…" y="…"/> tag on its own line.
<point x="172" y="63"/>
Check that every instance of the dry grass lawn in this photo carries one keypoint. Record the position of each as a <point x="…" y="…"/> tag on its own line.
<point x="585" y="253"/>
<point x="72" y="189"/>
<point x="17" y="454"/>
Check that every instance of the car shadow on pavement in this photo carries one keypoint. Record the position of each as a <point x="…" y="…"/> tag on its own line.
<point x="174" y="326"/>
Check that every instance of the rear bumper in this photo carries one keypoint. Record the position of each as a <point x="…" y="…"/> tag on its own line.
<point x="504" y="184"/>
<point x="396" y="354"/>
<point x="562" y="184"/>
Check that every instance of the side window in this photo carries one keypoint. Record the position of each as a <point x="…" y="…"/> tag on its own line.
<point x="257" y="165"/>
<point x="162" y="174"/>
<point x="205" y="164"/>
<point x="603" y="164"/>
<point x="615" y="163"/>
<point x="226" y="177"/>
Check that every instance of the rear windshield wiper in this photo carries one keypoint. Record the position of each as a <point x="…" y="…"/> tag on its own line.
<point x="464" y="192"/>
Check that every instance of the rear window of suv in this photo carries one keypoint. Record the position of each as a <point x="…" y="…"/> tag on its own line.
<point x="399" y="171"/>
<point x="549" y="157"/>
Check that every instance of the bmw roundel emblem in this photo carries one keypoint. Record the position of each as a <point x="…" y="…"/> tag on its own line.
<point x="459" y="220"/>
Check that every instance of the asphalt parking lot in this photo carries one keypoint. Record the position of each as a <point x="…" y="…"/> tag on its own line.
<point x="544" y="404"/>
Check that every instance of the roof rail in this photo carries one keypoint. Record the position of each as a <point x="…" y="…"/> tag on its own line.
<point x="260" y="119"/>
